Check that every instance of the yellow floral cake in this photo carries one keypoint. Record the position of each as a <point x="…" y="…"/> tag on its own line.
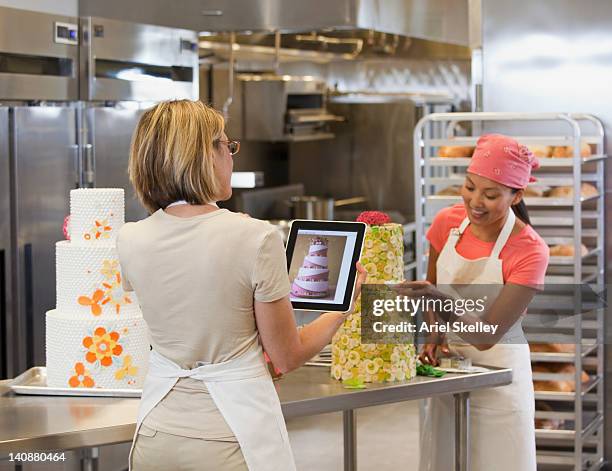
<point x="382" y="257"/>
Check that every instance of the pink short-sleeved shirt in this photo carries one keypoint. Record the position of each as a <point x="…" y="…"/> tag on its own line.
<point x="524" y="257"/>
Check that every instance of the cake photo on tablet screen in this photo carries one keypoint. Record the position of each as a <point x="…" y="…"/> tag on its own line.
<point x="96" y="337"/>
<point x="312" y="280"/>
<point x="383" y="259"/>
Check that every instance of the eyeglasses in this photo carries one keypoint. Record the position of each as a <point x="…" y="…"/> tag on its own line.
<point x="232" y="146"/>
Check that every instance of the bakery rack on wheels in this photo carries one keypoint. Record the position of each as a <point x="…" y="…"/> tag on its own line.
<point x="569" y="403"/>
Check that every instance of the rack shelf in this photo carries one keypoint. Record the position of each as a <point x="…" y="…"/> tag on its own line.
<point x="574" y="221"/>
<point x="544" y="162"/>
<point x="529" y="201"/>
<point x="566" y="458"/>
<point x="562" y="357"/>
<point x="592" y="423"/>
<point x="568" y="396"/>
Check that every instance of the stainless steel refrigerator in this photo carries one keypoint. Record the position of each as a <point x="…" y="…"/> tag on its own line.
<point x="124" y="69"/>
<point x="71" y="93"/>
<point x="38" y="167"/>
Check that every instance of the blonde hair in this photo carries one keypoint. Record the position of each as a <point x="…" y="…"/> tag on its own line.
<point x="171" y="156"/>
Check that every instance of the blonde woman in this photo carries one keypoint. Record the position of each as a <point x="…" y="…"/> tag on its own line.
<point x="213" y="287"/>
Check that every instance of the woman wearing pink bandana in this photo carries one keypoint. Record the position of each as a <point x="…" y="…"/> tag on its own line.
<point x="487" y="240"/>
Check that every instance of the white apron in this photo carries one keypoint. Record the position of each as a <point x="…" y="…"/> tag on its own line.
<point x="244" y="393"/>
<point x="502" y="431"/>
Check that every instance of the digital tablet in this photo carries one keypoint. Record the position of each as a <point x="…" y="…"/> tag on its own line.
<point x="321" y="259"/>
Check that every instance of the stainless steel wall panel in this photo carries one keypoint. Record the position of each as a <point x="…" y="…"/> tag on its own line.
<point x="554" y="55"/>
<point x="6" y="298"/>
<point x="370" y="156"/>
<point x="110" y="133"/>
<point x="44" y="173"/>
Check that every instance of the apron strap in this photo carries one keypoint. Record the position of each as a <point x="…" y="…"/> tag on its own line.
<point x="464" y="224"/>
<point x="504" y="235"/>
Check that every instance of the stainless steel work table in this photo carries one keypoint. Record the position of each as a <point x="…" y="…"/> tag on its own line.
<point x="47" y="423"/>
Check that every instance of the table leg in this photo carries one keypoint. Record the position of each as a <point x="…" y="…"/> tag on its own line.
<point x="89" y="459"/>
<point x="462" y="431"/>
<point x="350" y="440"/>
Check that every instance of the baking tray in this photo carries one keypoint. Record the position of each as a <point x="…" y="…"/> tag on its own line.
<point x="34" y="382"/>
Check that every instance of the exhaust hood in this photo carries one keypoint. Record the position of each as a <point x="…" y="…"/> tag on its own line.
<point x="443" y="21"/>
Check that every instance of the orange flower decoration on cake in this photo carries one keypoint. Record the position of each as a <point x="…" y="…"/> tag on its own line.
<point x="102" y="346"/>
<point x="93" y="302"/>
<point x="82" y="378"/>
<point x="127" y="369"/>
<point x="114" y="294"/>
<point x="100" y="230"/>
<point x="111" y="291"/>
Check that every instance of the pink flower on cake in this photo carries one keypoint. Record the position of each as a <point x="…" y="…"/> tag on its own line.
<point x="66" y="227"/>
<point x="82" y="378"/>
<point x="93" y="302"/>
<point x="102" y="346"/>
<point x="374" y="218"/>
<point x="127" y="369"/>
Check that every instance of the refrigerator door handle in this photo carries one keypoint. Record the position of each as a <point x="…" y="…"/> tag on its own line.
<point x="78" y="177"/>
<point x="88" y="166"/>
<point x="29" y="303"/>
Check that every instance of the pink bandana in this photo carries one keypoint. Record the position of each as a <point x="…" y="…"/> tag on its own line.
<point x="503" y="160"/>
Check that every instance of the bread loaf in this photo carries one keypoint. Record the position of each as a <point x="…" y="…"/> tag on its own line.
<point x="455" y="151"/>
<point x="587" y="190"/>
<point x="535" y="191"/>
<point x="585" y="150"/>
<point x="454" y="190"/>
<point x="568" y="151"/>
<point x="567" y="250"/>
<point x="552" y="347"/>
<point x="547" y="424"/>
<point x="559" y="386"/>
<point x="559" y="152"/>
<point x="541" y="151"/>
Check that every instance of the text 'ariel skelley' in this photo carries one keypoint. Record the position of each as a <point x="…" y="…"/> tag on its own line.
<point x="411" y="306"/>
<point x="436" y="327"/>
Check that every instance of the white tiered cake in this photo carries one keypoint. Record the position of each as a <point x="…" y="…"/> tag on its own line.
<point x="96" y="336"/>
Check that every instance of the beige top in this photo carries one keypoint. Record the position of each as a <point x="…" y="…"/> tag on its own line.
<point x="196" y="279"/>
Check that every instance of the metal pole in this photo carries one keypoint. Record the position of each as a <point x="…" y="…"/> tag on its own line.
<point x="277" y="48"/>
<point x="349" y="430"/>
<point x="230" y="77"/>
<point x="462" y="431"/>
<point x="89" y="459"/>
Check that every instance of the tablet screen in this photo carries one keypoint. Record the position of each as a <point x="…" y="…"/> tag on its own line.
<point x="321" y="258"/>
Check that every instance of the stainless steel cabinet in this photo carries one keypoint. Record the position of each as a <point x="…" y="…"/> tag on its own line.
<point x="5" y="248"/>
<point x="42" y="152"/>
